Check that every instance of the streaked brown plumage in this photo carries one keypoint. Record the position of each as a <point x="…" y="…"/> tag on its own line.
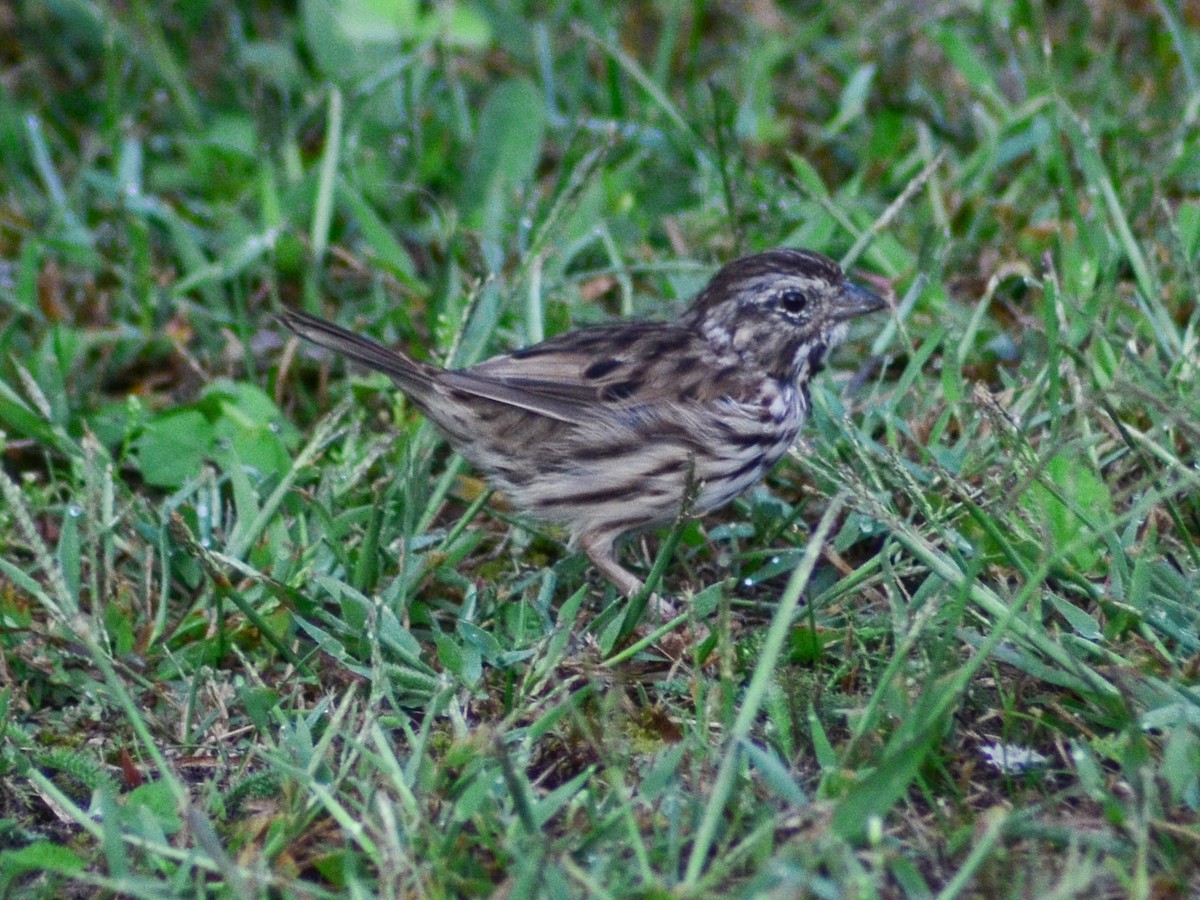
<point x="604" y="429"/>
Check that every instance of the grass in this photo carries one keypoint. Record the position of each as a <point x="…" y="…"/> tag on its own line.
<point x="261" y="633"/>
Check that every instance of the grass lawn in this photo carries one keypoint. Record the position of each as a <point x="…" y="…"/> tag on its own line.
<point x="263" y="635"/>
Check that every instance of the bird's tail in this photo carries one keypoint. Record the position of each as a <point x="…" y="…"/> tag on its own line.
<point x="408" y="373"/>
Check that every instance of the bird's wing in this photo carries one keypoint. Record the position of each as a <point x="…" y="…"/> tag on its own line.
<point x="555" y="400"/>
<point x="582" y="375"/>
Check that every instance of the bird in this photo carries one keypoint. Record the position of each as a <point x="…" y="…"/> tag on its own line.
<point x="618" y="428"/>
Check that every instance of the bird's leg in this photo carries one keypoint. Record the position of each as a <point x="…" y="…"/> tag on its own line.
<point x="600" y="549"/>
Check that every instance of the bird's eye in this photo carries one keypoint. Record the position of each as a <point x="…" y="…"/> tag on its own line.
<point x="793" y="301"/>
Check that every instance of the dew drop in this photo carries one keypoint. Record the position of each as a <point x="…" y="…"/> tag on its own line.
<point x="74" y="510"/>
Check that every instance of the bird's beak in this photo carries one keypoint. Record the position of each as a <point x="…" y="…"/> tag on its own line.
<point x="855" y="300"/>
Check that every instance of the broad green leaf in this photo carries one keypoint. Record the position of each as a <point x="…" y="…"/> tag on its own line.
<point x="232" y="421"/>
<point x="378" y="21"/>
<point x="334" y="53"/>
<point x="39" y="856"/>
<point x="173" y="445"/>
<point x="508" y="144"/>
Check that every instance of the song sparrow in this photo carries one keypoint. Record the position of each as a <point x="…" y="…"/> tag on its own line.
<point x="605" y="429"/>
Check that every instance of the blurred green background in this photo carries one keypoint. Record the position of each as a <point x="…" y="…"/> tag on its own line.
<point x="262" y="634"/>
